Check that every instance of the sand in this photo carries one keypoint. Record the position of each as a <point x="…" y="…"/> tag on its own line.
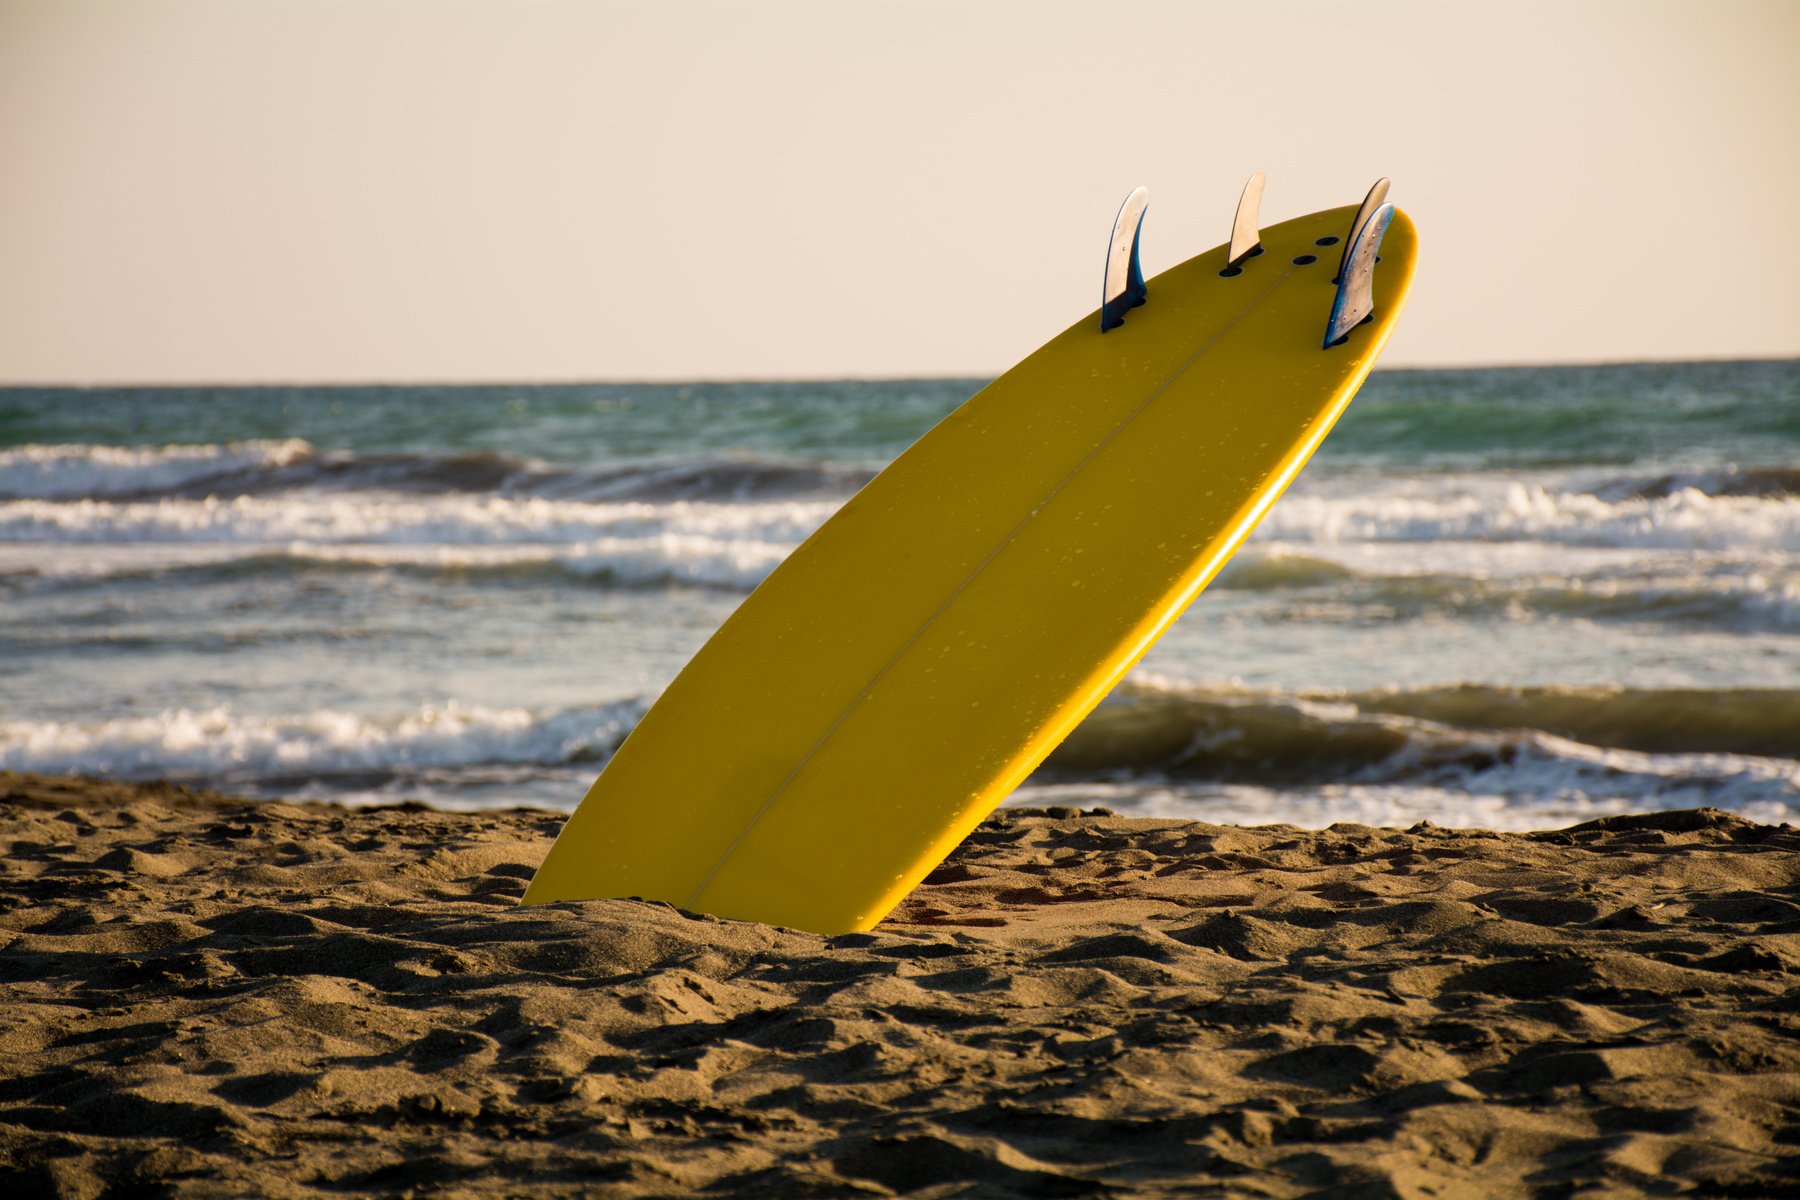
<point x="207" y="997"/>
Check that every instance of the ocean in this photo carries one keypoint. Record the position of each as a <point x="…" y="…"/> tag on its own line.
<point x="1510" y="598"/>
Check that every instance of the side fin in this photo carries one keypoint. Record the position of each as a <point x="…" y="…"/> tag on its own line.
<point x="1122" y="287"/>
<point x="1371" y="202"/>
<point x="1246" y="227"/>
<point x="1355" y="300"/>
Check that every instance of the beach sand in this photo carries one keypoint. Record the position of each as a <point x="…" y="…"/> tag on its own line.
<point x="207" y="997"/>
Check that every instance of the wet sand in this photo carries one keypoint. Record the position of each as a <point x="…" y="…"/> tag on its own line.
<point x="205" y="997"/>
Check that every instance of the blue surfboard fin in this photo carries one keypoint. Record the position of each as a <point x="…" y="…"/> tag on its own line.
<point x="1355" y="301"/>
<point x="1371" y="202"/>
<point x="1122" y="287"/>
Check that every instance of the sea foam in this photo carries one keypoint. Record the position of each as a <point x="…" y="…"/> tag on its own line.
<point x="219" y="743"/>
<point x="1527" y="512"/>
<point x="227" y="471"/>
<point x="1494" y="512"/>
<point x="81" y="471"/>
<point x="360" y="517"/>
<point x="1149" y="748"/>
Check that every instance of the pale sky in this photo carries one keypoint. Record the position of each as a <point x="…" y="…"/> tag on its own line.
<point x="324" y="191"/>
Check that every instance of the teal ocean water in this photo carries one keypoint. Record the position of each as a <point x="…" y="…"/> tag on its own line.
<point x="1512" y="598"/>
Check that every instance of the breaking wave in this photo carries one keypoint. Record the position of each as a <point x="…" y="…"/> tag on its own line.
<point x="1730" y="507"/>
<point x="1727" y="597"/>
<point x="1526" y="512"/>
<point x="1771" y="482"/>
<point x="1428" y="733"/>
<point x="1516" y="512"/>
<point x="735" y="546"/>
<point x="1513" y="758"/>
<point x="1588" y="749"/>
<point x="219" y="744"/>
<point x="261" y="468"/>
<point x="451" y="521"/>
<point x="76" y="472"/>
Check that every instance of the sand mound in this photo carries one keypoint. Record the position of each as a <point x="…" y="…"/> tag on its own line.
<point x="205" y="997"/>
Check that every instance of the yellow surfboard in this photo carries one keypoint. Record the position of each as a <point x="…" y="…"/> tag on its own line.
<point x="912" y="662"/>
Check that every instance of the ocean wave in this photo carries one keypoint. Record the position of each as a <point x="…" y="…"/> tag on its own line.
<point x="75" y="472"/>
<point x="681" y="556"/>
<point x="625" y="544"/>
<point x="732" y="565"/>
<point x="735" y="547"/>
<point x="1746" y="601"/>
<point x="219" y="744"/>
<point x="1595" y="746"/>
<point x="1687" y="520"/>
<point x="1554" y="796"/>
<point x="1769" y="482"/>
<point x="449" y="521"/>
<point x="1273" y="737"/>
<point x="261" y="468"/>
<point x="694" y="560"/>
<point x="290" y="490"/>
<point x="1530" y="512"/>
<point x="1280" y="570"/>
<point x="1474" y="756"/>
<point x="732" y="546"/>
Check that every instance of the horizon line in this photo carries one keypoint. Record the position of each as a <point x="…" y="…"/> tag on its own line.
<point x="663" y="381"/>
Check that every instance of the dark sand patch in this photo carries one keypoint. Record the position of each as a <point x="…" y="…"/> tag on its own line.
<point x="204" y="997"/>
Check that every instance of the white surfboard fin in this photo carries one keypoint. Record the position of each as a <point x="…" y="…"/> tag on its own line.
<point x="1123" y="286"/>
<point x="1246" y="226"/>
<point x="1374" y="200"/>
<point x="1355" y="302"/>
